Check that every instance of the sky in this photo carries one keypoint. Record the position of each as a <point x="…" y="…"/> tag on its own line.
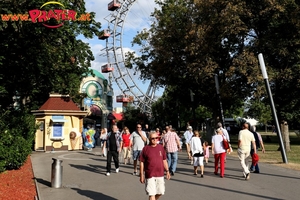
<point x="137" y="18"/>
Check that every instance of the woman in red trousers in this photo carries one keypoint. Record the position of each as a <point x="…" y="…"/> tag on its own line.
<point x="219" y="152"/>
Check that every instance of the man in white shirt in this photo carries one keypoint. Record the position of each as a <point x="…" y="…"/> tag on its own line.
<point x="188" y="136"/>
<point x="245" y="139"/>
<point x="137" y="141"/>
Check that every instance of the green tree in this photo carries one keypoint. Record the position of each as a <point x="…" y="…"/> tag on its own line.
<point x="132" y="116"/>
<point x="191" y="40"/>
<point x="35" y="61"/>
<point x="259" y="111"/>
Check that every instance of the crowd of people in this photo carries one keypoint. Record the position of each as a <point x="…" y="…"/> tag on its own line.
<point x="157" y="152"/>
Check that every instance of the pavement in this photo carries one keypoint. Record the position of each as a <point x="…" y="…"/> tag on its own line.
<point x="83" y="177"/>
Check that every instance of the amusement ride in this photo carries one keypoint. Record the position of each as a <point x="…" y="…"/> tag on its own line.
<point x="125" y="78"/>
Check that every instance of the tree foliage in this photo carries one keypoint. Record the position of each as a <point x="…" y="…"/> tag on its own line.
<point x="192" y="40"/>
<point x="34" y="61"/>
<point x="16" y="138"/>
<point x="131" y="117"/>
<point x="178" y="110"/>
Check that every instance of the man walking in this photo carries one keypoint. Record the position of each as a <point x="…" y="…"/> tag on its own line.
<point x="188" y="136"/>
<point x="137" y="142"/>
<point x="152" y="166"/>
<point x="225" y="132"/>
<point x="259" y="144"/>
<point x="114" y="146"/>
<point x="245" y="139"/>
<point x="172" y="145"/>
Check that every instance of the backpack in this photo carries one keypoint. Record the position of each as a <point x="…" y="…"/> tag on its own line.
<point x="257" y="142"/>
<point x="97" y="135"/>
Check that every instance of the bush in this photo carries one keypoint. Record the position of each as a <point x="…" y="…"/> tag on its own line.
<point x="16" y="138"/>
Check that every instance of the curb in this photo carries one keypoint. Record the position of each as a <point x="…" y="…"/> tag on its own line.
<point x="37" y="197"/>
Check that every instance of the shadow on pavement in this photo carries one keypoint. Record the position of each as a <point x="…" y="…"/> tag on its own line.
<point x="93" y="195"/>
<point x="44" y="182"/>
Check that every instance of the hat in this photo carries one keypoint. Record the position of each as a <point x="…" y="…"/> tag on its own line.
<point x="189" y="127"/>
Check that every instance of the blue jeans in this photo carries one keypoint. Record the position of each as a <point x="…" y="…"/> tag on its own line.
<point x="172" y="160"/>
<point x="256" y="168"/>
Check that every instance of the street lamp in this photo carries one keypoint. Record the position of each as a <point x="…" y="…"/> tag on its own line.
<point x="265" y="76"/>
<point x="193" y="108"/>
<point x="219" y="97"/>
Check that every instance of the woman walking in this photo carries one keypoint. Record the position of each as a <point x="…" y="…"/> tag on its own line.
<point x="126" y="145"/>
<point x="197" y="152"/>
<point x="219" y="152"/>
<point x="103" y="138"/>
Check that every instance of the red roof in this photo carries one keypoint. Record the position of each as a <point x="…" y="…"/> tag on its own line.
<point x="59" y="102"/>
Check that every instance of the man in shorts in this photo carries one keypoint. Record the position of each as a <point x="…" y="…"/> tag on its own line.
<point x="153" y="163"/>
<point x="137" y="142"/>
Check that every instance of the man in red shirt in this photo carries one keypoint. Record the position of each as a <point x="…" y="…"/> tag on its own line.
<point x="153" y="163"/>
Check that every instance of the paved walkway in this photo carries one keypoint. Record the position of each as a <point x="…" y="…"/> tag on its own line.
<point x="84" y="178"/>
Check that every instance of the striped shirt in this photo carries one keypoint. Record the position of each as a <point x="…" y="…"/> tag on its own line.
<point x="170" y="140"/>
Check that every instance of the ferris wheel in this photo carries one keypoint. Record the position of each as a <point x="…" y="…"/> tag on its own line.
<point x="126" y="79"/>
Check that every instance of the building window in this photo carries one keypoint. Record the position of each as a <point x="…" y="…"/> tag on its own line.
<point x="57" y="133"/>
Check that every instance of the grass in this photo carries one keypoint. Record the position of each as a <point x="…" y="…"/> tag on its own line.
<point x="273" y="154"/>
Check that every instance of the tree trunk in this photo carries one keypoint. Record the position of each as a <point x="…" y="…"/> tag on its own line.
<point x="285" y="135"/>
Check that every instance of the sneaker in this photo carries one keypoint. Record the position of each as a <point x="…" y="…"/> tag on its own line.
<point x="107" y="174"/>
<point x="117" y="170"/>
<point x="134" y="173"/>
<point x="247" y="177"/>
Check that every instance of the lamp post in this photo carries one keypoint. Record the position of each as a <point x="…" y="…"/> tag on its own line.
<point x="265" y="76"/>
<point x="219" y="97"/>
<point x="193" y="109"/>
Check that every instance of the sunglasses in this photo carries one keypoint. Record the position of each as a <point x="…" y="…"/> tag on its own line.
<point x="154" y="138"/>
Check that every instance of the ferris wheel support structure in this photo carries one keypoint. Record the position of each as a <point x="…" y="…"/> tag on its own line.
<point x="115" y="56"/>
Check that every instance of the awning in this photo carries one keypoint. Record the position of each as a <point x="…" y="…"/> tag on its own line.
<point x="118" y="116"/>
<point x="59" y="120"/>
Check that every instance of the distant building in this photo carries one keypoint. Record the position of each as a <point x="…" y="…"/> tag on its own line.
<point x="61" y="121"/>
<point x="60" y="124"/>
<point x="99" y="100"/>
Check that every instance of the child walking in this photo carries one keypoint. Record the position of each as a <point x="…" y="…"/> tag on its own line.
<point x="206" y="152"/>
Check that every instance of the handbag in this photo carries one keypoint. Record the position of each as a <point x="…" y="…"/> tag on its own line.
<point x="225" y="143"/>
<point x="255" y="159"/>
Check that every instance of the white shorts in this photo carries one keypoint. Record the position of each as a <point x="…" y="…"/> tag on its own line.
<point x="155" y="185"/>
<point x="198" y="161"/>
